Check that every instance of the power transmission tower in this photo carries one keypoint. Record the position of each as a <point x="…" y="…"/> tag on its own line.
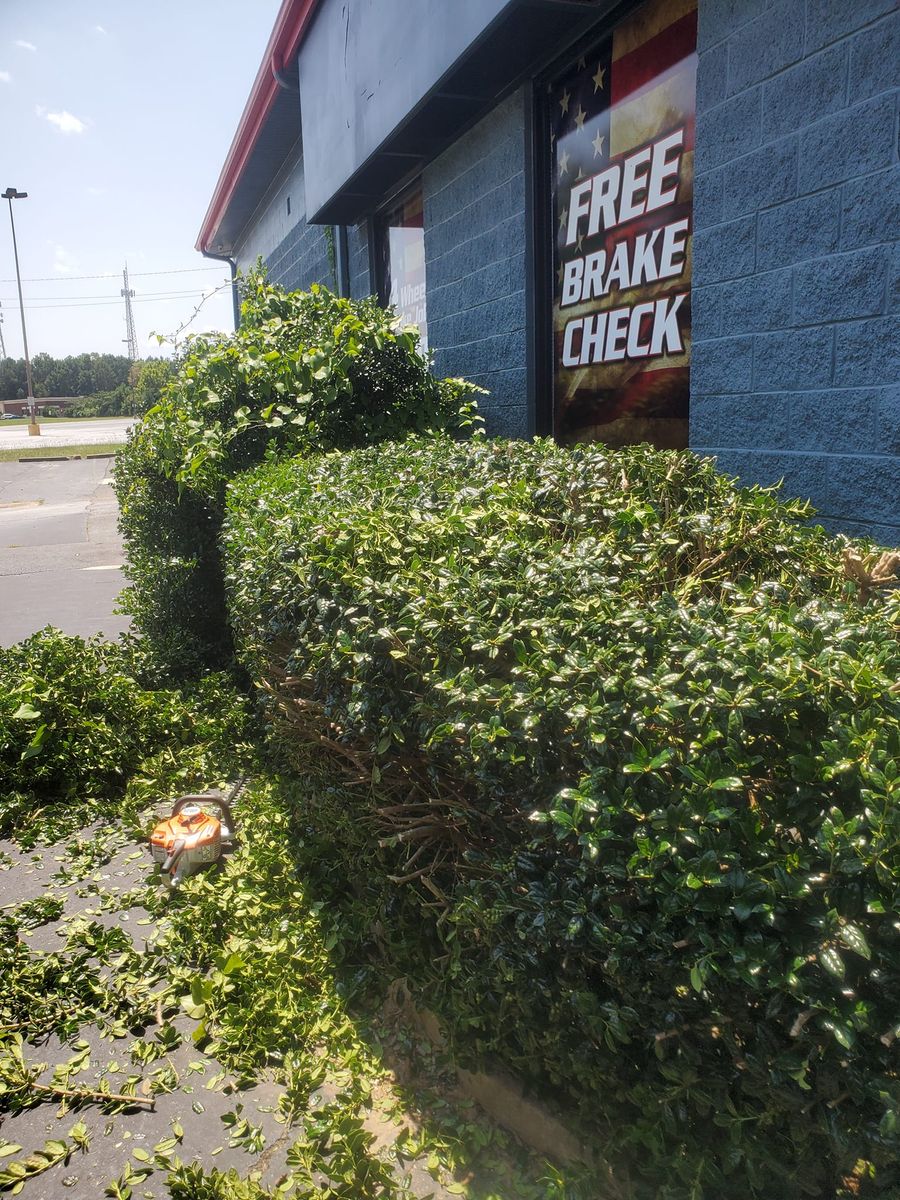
<point x="131" y="339"/>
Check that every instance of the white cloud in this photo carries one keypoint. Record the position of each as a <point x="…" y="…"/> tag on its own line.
<point x="5" y="77"/>
<point x="100" y="29"/>
<point x="95" y="191"/>
<point x="64" y="121"/>
<point x="63" y="261"/>
<point x="25" y="45"/>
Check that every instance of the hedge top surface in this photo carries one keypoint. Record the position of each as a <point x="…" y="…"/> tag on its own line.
<point x="656" y="522"/>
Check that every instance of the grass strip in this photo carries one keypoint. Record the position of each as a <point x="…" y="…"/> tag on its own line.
<point x="11" y="423"/>
<point x="79" y="451"/>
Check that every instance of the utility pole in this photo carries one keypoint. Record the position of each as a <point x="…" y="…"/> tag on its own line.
<point x="12" y="194"/>
<point x="2" y="347"/>
<point x="131" y="339"/>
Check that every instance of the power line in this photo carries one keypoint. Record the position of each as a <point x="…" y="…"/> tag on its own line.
<point x="112" y="275"/>
<point x="108" y="295"/>
<point x="205" y="295"/>
<point x="104" y="303"/>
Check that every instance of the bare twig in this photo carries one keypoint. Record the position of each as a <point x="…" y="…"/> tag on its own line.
<point x="96" y="1097"/>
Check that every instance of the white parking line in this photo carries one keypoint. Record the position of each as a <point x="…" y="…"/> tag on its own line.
<point x="109" y="567"/>
<point x="40" y="509"/>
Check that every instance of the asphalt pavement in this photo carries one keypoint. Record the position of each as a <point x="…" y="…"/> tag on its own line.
<point x="199" y="1094"/>
<point x="60" y="550"/>
<point x="100" y="877"/>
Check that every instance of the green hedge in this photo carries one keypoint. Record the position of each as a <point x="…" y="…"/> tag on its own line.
<point x="305" y="372"/>
<point x="629" y="742"/>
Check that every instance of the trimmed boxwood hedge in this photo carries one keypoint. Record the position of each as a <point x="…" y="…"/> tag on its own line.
<point x="304" y="372"/>
<point x="627" y="738"/>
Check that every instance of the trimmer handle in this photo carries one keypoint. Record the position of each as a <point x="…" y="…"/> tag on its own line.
<point x="223" y="805"/>
<point x="173" y="856"/>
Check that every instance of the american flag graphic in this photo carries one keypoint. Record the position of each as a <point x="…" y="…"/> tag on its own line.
<point x="634" y="88"/>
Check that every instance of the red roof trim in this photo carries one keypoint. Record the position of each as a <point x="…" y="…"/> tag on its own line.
<point x="290" y="26"/>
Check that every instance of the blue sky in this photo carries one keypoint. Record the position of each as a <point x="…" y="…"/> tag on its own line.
<point x="115" y="117"/>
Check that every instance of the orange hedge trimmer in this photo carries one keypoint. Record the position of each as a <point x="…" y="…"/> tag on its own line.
<point x="192" y="837"/>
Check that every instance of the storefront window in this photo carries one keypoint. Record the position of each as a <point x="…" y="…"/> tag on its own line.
<point x="401" y="260"/>
<point x="622" y="138"/>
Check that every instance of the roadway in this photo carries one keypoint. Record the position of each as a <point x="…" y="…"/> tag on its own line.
<point x="60" y="550"/>
<point x="89" y="432"/>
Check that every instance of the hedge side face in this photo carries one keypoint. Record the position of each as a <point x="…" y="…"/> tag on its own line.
<point x="628" y="732"/>
<point x="305" y="372"/>
<point x="175" y="595"/>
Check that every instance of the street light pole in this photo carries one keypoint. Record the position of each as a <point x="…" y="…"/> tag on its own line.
<point x="12" y="194"/>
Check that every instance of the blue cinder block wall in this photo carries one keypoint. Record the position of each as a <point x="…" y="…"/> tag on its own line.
<point x="361" y="284"/>
<point x="296" y="254"/>
<point x="302" y="258"/>
<point x="796" y="287"/>
<point x="475" y="264"/>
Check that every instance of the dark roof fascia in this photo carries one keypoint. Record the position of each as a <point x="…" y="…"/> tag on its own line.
<point x="278" y="62"/>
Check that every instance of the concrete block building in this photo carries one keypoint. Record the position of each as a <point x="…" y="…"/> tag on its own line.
<point x="671" y="221"/>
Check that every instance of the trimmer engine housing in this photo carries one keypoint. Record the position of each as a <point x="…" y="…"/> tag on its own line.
<point x="192" y="837"/>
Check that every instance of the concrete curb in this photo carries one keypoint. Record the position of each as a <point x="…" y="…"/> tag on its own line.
<point x="63" y="458"/>
<point x="500" y="1094"/>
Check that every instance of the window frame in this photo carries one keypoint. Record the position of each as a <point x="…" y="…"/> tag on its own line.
<point x="379" y="246"/>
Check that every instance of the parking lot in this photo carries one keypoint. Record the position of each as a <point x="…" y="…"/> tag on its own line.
<point x="60" y="551"/>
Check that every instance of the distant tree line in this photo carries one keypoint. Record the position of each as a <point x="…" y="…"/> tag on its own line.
<point x="75" y="375"/>
<point x="110" y="384"/>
